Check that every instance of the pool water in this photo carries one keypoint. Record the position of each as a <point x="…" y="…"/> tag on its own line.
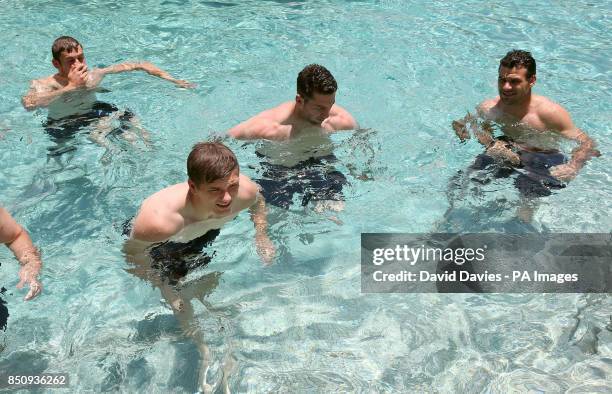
<point x="405" y="70"/>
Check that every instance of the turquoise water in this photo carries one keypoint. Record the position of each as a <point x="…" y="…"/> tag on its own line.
<point x="405" y="70"/>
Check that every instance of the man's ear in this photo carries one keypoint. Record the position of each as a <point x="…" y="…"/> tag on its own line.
<point x="532" y="80"/>
<point x="55" y="63"/>
<point x="192" y="186"/>
<point x="299" y="99"/>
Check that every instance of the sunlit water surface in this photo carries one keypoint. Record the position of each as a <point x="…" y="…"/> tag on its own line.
<point x="405" y="70"/>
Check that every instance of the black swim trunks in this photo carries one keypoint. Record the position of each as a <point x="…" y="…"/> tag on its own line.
<point x="4" y="313"/>
<point x="174" y="260"/>
<point x="313" y="179"/>
<point x="533" y="178"/>
<point x="64" y="129"/>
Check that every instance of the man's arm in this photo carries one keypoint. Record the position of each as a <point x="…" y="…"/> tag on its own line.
<point x="559" y="120"/>
<point x="36" y="99"/>
<point x="41" y="94"/>
<point x="258" y="127"/>
<point x="151" y="226"/>
<point x="147" y="67"/>
<point x="483" y="131"/>
<point x="343" y="120"/>
<point x="19" y="242"/>
<point x="250" y="196"/>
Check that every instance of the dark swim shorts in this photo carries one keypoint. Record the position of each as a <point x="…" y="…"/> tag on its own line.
<point x="4" y="313"/>
<point x="64" y="129"/>
<point x="313" y="179"/>
<point x="174" y="260"/>
<point x="533" y="178"/>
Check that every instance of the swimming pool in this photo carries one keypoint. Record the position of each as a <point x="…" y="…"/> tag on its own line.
<point x="405" y="70"/>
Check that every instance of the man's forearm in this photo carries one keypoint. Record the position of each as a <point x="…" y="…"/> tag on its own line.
<point x="37" y="100"/>
<point x="259" y="216"/>
<point x="24" y="250"/>
<point x="583" y="152"/>
<point x="152" y="69"/>
<point x="469" y="123"/>
<point x="484" y="138"/>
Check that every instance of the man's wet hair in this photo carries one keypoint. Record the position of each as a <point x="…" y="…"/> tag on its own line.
<point x="64" y="44"/>
<point x="210" y="161"/>
<point x="315" y="78"/>
<point x="519" y="58"/>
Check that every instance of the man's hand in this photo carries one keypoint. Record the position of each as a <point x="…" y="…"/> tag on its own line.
<point x="265" y="249"/>
<point x="77" y="76"/>
<point x="29" y="274"/>
<point x="460" y="130"/>
<point x="499" y="151"/>
<point x="184" y="84"/>
<point x="152" y="69"/>
<point x="564" y="172"/>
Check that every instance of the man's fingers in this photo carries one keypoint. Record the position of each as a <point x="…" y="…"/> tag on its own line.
<point x="267" y="253"/>
<point x="185" y="84"/>
<point x="35" y="289"/>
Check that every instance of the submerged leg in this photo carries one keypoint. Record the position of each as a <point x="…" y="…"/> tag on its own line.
<point x="185" y="317"/>
<point x="181" y="307"/>
<point x="526" y="209"/>
<point x="135" y="123"/>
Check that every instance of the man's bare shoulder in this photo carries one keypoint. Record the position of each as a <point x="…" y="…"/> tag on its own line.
<point x="247" y="192"/>
<point x="340" y="119"/>
<point x="279" y="114"/>
<point x="159" y="216"/>
<point x="552" y="114"/>
<point x="45" y="84"/>
<point x="544" y="105"/>
<point x="486" y="109"/>
<point x="265" y="125"/>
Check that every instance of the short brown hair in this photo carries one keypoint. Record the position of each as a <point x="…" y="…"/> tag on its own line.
<point x="209" y="161"/>
<point x="315" y="78"/>
<point x="64" y="43"/>
<point x="518" y="58"/>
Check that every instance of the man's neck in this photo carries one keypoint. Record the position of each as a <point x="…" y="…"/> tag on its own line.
<point x="193" y="209"/>
<point x="298" y="122"/>
<point x="61" y="79"/>
<point x="517" y="110"/>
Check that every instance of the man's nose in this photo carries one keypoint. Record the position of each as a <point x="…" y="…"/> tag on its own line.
<point x="507" y="86"/>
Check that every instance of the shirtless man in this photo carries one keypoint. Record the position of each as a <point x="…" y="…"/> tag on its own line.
<point x="525" y="116"/>
<point x="314" y="109"/>
<point x="532" y="126"/>
<point x="70" y="94"/>
<point x="18" y="241"/>
<point x="302" y="163"/>
<point x="176" y="223"/>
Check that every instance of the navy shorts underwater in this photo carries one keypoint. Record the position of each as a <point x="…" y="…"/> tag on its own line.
<point x="64" y="129"/>
<point x="532" y="176"/>
<point x="313" y="179"/>
<point x="174" y="260"/>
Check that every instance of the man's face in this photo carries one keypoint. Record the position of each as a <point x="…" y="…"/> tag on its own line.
<point x="513" y="84"/>
<point x="218" y="196"/>
<point x="316" y="109"/>
<point x="69" y="59"/>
